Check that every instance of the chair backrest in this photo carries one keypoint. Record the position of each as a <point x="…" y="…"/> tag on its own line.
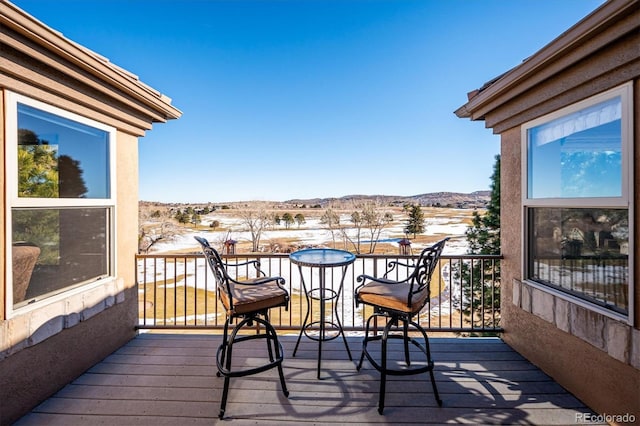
<point x="216" y="264"/>
<point x="420" y="278"/>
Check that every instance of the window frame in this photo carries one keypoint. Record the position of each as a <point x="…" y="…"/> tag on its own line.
<point x="624" y="201"/>
<point x="14" y="201"/>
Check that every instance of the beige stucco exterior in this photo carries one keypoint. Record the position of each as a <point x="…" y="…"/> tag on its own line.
<point x="595" y="356"/>
<point x="44" y="347"/>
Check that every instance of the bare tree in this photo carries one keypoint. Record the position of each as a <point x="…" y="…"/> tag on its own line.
<point x="371" y="217"/>
<point x="256" y="219"/>
<point x="331" y="220"/>
<point x="288" y="220"/>
<point x="150" y="234"/>
<point x="155" y="226"/>
<point x="375" y="219"/>
<point x="299" y="218"/>
<point x="357" y="222"/>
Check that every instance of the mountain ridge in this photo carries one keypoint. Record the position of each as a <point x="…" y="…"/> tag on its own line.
<point x="476" y="199"/>
<point x="443" y="198"/>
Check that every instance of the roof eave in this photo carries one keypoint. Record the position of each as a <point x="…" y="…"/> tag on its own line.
<point x="89" y="61"/>
<point x="482" y="101"/>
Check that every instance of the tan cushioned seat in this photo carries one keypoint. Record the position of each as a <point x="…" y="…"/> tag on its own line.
<point x="251" y="298"/>
<point x="392" y="296"/>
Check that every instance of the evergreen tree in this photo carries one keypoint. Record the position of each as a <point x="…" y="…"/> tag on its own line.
<point x="415" y="222"/>
<point x="484" y="236"/>
<point x="196" y="219"/>
<point x="481" y="304"/>
<point x="71" y="183"/>
<point x="38" y="175"/>
<point x="182" y="217"/>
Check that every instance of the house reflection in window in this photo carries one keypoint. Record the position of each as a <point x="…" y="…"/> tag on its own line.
<point x="583" y="252"/>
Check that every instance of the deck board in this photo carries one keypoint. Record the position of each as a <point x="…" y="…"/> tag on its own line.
<point x="164" y="379"/>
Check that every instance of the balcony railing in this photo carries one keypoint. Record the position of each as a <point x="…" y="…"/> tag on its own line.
<point x="179" y="291"/>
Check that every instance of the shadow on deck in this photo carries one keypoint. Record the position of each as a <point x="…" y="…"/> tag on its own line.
<point x="169" y="379"/>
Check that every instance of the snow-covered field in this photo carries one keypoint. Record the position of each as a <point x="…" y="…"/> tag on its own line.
<point x="313" y="233"/>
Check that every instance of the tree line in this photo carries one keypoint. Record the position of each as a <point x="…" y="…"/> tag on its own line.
<point x="360" y="227"/>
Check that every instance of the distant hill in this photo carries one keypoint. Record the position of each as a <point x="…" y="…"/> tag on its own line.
<point x="477" y="199"/>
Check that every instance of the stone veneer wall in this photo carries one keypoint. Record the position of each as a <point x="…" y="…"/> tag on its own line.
<point x="619" y="340"/>
<point x="29" y="329"/>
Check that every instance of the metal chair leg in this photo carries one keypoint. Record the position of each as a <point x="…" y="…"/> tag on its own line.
<point x="270" y="340"/>
<point x="383" y="369"/>
<point x="225" y="340"/>
<point x="435" y="388"/>
<point x="364" y="342"/>
<point x="405" y="334"/>
<point x="429" y="361"/>
<point x="224" y="356"/>
<point x="225" y="393"/>
<point x="273" y="340"/>
<point x="382" y="365"/>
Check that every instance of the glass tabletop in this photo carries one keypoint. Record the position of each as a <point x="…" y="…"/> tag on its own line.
<point x="322" y="257"/>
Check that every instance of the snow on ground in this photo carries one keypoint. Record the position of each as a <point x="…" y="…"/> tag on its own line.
<point x="312" y="233"/>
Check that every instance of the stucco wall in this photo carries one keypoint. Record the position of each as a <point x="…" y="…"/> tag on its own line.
<point x="510" y="218"/>
<point x="127" y="207"/>
<point x="3" y="252"/>
<point x="636" y="192"/>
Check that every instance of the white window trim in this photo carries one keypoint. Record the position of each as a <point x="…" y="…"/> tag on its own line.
<point x="11" y="167"/>
<point x="625" y="92"/>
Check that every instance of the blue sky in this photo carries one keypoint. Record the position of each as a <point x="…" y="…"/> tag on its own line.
<point x="313" y="98"/>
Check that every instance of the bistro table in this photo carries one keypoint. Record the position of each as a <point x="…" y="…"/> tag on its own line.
<point x="321" y="259"/>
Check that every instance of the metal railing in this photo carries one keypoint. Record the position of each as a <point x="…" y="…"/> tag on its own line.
<point x="179" y="291"/>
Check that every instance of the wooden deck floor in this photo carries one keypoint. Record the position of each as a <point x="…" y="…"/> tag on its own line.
<point x="169" y="379"/>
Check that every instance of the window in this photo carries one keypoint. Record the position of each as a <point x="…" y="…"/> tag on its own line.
<point x="60" y="171"/>
<point x="577" y="199"/>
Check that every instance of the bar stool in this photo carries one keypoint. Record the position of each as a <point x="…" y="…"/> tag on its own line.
<point x="398" y="302"/>
<point x="249" y="301"/>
